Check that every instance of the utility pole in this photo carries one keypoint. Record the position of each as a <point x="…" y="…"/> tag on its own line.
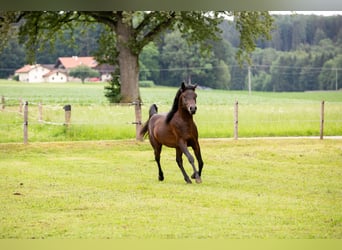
<point x="336" y="79"/>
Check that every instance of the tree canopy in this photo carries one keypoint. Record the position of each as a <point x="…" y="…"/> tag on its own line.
<point x="313" y="42"/>
<point x="130" y="31"/>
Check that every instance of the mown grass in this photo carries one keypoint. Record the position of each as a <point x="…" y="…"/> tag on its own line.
<point x="260" y="114"/>
<point x="269" y="189"/>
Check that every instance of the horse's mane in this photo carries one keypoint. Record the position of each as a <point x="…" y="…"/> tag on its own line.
<point x="174" y="108"/>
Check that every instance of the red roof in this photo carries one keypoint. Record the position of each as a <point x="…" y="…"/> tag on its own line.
<point x="72" y="62"/>
<point x="52" y="72"/>
<point x="25" y="69"/>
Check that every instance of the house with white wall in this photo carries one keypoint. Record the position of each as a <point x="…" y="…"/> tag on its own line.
<point x="55" y="76"/>
<point x="59" y="72"/>
<point x="32" y="73"/>
<point x="68" y="63"/>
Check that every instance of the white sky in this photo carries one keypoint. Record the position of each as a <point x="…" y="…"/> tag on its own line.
<point x="319" y="13"/>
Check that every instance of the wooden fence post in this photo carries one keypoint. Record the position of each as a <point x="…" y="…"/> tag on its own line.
<point x="2" y="103"/>
<point x="67" y="109"/>
<point x="236" y="120"/>
<point x="137" y="108"/>
<point x="26" y="123"/>
<point x="322" y="121"/>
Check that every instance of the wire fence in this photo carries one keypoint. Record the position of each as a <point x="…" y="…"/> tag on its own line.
<point x="41" y="113"/>
<point x="51" y="122"/>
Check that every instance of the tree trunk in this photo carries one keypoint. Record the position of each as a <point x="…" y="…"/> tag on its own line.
<point x="128" y="63"/>
<point x="129" y="70"/>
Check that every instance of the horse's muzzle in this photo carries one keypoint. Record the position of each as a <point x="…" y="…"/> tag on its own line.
<point x="192" y="110"/>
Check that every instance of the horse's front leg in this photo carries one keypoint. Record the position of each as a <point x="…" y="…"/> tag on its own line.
<point x="197" y="151"/>
<point x="191" y="159"/>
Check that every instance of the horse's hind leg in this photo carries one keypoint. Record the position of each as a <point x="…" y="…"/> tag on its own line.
<point x="157" y="151"/>
<point x="180" y="164"/>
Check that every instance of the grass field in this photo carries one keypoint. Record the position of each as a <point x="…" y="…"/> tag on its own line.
<point x="79" y="182"/>
<point x="260" y="114"/>
<point x="252" y="189"/>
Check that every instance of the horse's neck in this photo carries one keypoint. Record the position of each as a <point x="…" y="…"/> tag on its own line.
<point x="184" y="114"/>
<point x="174" y="108"/>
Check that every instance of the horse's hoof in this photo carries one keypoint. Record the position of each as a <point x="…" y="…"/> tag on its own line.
<point x="161" y="178"/>
<point x="188" y="181"/>
<point x="199" y="180"/>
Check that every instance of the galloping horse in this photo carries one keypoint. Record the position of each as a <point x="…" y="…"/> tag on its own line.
<point x="176" y="130"/>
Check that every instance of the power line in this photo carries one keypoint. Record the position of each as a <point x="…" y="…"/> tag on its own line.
<point x="230" y="66"/>
<point x="244" y="67"/>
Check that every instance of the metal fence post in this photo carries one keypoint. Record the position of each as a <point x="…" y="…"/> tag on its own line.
<point x="322" y="121"/>
<point x="26" y="123"/>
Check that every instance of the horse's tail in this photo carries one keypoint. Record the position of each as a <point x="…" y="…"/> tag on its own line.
<point x="144" y="129"/>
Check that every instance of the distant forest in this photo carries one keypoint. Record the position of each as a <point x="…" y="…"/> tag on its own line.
<point x="304" y="54"/>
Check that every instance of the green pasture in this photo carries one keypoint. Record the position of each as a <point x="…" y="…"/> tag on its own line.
<point x="260" y="114"/>
<point x="252" y="189"/>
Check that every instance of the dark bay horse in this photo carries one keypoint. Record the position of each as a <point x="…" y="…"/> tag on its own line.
<point x="176" y="130"/>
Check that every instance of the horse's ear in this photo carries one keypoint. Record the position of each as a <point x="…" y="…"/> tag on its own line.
<point x="183" y="86"/>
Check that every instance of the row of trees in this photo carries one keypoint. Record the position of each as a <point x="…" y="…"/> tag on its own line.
<point x="294" y="62"/>
<point x="303" y="54"/>
<point x="316" y="67"/>
<point x="292" y="31"/>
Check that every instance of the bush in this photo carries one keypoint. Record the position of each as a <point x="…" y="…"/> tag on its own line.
<point x="146" y="84"/>
<point x="15" y="78"/>
<point x="83" y="72"/>
<point x="112" y="90"/>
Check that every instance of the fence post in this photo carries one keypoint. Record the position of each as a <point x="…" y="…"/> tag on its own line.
<point x="236" y="120"/>
<point x="40" y="112"/>
<point x="137" y="108"/>
<point x="2" y="103"/>
<point x="322" y="121"/>
<point x="67" y="109"/>
<point x="26" y="123"/>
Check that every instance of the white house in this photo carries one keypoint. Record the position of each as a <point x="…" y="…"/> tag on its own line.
<point x="55" y="76"/>
<point x="59" y="71"/>
<point x="68" y="63"/>
<point x="32" y="73"/>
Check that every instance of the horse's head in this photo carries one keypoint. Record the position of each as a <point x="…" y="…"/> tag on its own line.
<point x="188" y="97"/>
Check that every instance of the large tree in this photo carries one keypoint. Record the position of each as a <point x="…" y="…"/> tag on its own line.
<point x="132" y="31"/>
